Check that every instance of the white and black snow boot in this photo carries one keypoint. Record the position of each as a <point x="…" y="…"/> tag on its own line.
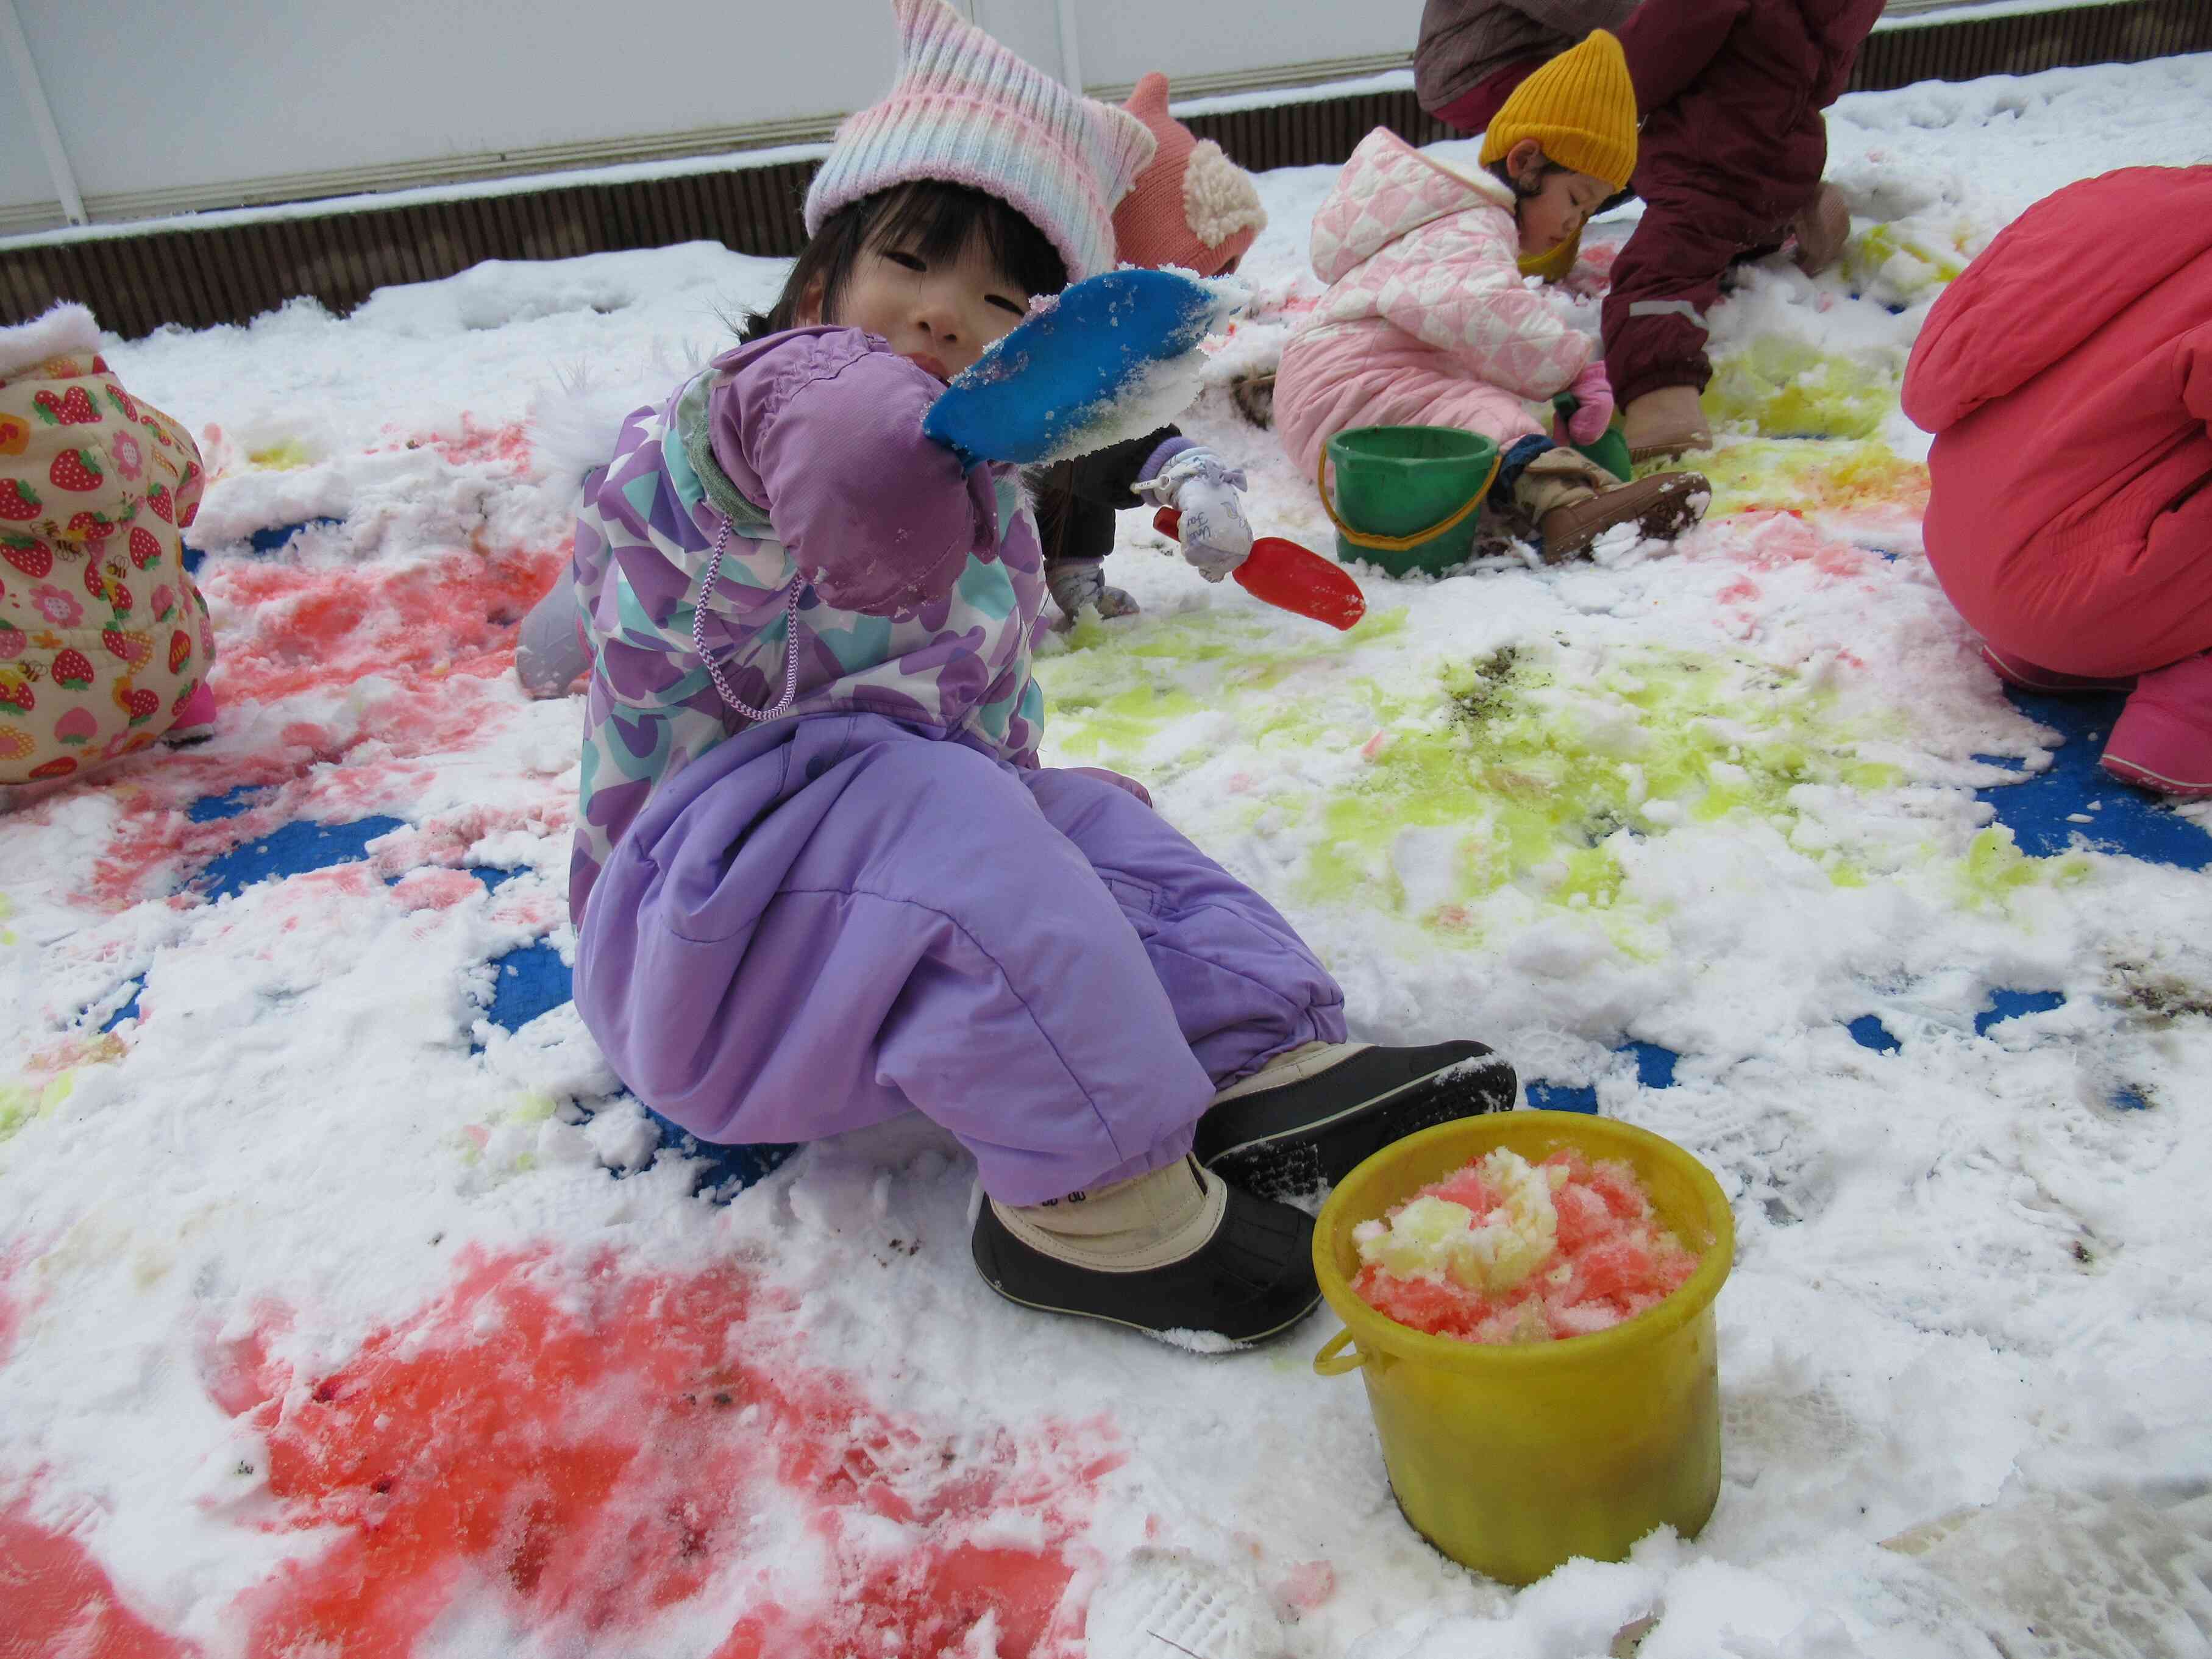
<point x="1160" y="1604"/>
<point x="1177" y="1254"/>
<point x="1313" y="1114"/>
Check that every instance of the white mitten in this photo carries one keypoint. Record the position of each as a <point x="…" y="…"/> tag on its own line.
<point x="1215" y="536"/>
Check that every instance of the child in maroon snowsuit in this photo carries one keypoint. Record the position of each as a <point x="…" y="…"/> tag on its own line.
<point x="1728" y="167"/>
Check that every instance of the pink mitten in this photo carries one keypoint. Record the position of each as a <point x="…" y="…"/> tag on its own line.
<point x="1594" y="393"/>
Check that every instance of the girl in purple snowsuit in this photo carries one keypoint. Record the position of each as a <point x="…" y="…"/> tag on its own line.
<point x="820" y="877"/>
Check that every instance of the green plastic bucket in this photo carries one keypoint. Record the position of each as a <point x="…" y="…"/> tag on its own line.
<point x="1408" y="497"/>
<point x="1611" y="449"/>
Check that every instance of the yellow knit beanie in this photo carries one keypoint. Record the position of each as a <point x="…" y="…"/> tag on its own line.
<point x="1580" y="107"/>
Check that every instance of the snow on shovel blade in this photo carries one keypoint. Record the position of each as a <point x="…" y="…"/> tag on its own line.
<point x="1109" y="358"/>
<point x="1289" y="577"/>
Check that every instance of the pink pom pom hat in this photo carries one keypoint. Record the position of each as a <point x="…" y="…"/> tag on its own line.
<point x="1193" y="207"/>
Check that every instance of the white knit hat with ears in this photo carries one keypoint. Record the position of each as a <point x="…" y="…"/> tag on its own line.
<point x="965" y="111"/>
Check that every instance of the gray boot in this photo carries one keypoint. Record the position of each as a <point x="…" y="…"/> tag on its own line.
<point x="1077" y="582"/>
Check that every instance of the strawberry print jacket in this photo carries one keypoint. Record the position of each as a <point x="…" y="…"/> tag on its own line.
<point x="103" y="637"/>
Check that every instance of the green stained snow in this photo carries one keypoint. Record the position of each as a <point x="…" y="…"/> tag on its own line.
<point x="1769" y="475"/>
<point x="1995" y="869"/>
<point x="1784" y="388"/>
<point x="21" y="1102"/>
<point x="1510" y="769"/>
<point x="1898" y="265"/>
<point x="1543" y="776"/>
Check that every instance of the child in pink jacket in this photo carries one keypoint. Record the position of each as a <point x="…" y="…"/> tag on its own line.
<point x="1430" y="320"/>
<point x="2067" y="378"/>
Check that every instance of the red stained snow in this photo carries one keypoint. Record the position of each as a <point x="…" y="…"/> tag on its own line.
<point x="1612" y="1258"/>
<point x="376" y="766"/>
<point x="509" y="444"/>
<point x="60" y="1605"/>
<point x="1766" y="541"/>
<point x="10" y="1315"/>
<point x="435" y="890"/>
<point x="1307" y="1587"/>
<point x="1773" y="541"/>
<point x="589" y="1450"/>
<point x="293" y="629"/>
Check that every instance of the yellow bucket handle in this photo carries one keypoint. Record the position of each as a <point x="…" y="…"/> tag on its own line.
<point x="1332" y="1361"/>
<point x="1401" y="544"/>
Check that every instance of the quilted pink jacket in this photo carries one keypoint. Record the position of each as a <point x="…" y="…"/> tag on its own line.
<point x="1428" y="321"/>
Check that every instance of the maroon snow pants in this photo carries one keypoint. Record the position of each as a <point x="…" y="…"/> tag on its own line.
<point x="1668" y="276"/>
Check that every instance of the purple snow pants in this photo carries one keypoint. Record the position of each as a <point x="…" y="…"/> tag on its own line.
<point x="828" y="921"/>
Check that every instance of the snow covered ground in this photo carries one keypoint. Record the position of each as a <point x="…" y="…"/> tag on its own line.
<point x="327" y="1327"/>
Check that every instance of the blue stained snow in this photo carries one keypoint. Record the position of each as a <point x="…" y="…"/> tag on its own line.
<point x="2041" y="808"/>
<point x="270" y="539"/>
<point x="530" y="979"/>
<point x="289" y="850"/>
<point x="129" y="1008"/>
<point x="229" y="805"/>
<point x="1655" y="1066"/>
<point x="1563" y="1097"/>
<point x="1655" y="1069"/>
<point x="728" y="1169"/>
<point x="533" y="980"/>
<point x="2009" y="1005"/>
<point x="1868" y="1032"/>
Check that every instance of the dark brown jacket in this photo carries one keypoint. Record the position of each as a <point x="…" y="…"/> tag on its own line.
<point x="1464" y="42"/>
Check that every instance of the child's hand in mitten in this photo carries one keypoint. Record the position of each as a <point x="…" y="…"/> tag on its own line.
<point x="1215" y="535"/>
<point x="1593" y="394"/>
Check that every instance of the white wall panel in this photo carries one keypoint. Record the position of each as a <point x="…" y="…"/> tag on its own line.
<point x="211" y="102"/>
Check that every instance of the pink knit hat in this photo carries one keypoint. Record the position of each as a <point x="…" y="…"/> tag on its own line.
<point x="965" y="111"/>
<point x="1193" y="207"/>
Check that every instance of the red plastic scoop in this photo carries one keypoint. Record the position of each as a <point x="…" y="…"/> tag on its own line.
<point x="1294" y="578"/>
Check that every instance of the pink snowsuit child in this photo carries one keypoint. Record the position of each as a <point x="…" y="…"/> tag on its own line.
<point x="2067" y="376"/>
<point x="1429" y="321"/>
<point x="1426" y="321"/>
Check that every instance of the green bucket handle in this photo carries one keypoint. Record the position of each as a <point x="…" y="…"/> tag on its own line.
<point x="1332" y="1361"/>
<point x="1400" y="543"/>
<point x="1611" y="449"/>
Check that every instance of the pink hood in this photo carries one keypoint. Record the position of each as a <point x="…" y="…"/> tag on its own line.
<point x="2055" y="276"/>
<point x="1388" y="190"/>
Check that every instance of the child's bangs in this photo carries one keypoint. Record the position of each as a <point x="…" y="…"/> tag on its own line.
<point x="936" y="221"/>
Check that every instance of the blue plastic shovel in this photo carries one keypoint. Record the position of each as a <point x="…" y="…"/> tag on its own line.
<point x="1082" y="368"/>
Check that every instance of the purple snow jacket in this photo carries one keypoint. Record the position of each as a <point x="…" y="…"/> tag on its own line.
<point x="794" y="926"/>
<point x="862" y="566"/>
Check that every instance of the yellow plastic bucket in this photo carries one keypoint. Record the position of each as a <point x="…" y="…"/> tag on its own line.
<point x="1512" y="1460"/>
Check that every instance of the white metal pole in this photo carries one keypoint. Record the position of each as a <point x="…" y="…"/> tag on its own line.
<point x="42" y="113"/>
<point x="1071" y="52"/>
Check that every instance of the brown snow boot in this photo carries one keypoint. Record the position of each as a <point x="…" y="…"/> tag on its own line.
<point x="1572" y="501"/>
<point x="1664" y="423"/>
